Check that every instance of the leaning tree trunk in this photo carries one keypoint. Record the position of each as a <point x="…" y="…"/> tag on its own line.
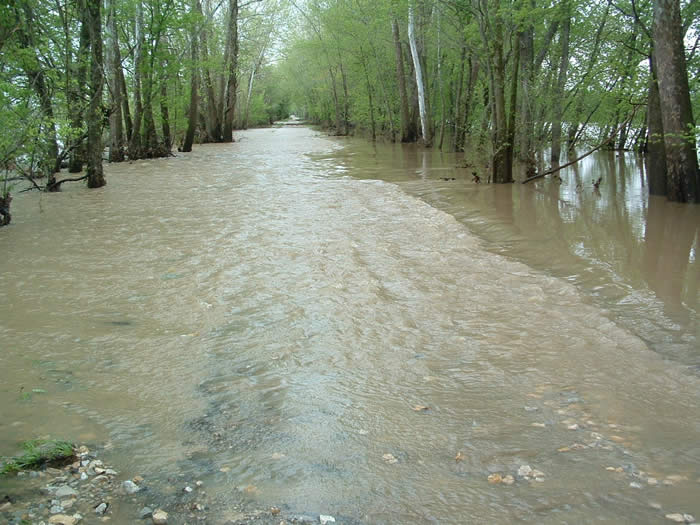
<point x="420" y="86"/>
<point x="232" y="82"/>
<point x="676" y="110"/>
<point x="95" y="175"/>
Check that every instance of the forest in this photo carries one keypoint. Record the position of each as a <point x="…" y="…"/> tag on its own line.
<point x="526" y="85"/>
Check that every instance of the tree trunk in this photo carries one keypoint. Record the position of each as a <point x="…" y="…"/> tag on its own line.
<point x="116" y="133"/>
<point x="37" y="81"/>
<point x="95" y="175"/>
<point x="457" y="134"/>
<point x="165" y="118"/>
<point x="232" y="83"/>
<point x="558" y="102"/>
<point x="406" y="136"/>
<point x="420" y="86"/>
<point x="77" y="94"/>
<point x="682" y="182"/>
<point x="526" y="153"/>
<point x="193" y="112"/>
<point x="126" y="113"/>
<point x="135" y="146"/>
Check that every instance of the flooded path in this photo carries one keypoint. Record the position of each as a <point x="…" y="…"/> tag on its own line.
<point x="257" y="316"/>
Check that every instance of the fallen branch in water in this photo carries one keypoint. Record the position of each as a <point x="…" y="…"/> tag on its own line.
<point x="56" y="185"/>
<point x="606" y="141"/>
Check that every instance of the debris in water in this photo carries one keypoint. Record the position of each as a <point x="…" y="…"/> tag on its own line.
<point x="420" y="408"/>
<point x="495" y="479"/>
<point x="390" y="459"/>
<point x="459" y="457"/>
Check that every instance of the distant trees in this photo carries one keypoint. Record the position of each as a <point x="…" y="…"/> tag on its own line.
<point x="136" y="75"/>
<point x="520" y="82"/>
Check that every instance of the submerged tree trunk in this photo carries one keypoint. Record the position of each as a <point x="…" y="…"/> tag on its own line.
<point x="681" y="158"/>
<point x="95" y="175"/>
<point x="420" y="86"/>
<point x="655" y="151"/>
<point x="526" y="152"/>
<point x="558" y="111"/>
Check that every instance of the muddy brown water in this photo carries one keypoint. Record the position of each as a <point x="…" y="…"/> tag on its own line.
<point x="265" y="316"/>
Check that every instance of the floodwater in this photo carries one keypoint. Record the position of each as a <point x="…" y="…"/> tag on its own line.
<point x="271" y="318"/>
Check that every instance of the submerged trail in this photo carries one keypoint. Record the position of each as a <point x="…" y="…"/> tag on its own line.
<point x="332" y="346"/>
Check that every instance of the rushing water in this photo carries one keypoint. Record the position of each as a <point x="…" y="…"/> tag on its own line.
<point x="266" y="316"/>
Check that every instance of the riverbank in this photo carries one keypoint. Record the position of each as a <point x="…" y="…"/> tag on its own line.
<point x="88" y="491"/>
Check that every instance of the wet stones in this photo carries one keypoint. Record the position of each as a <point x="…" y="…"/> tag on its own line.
<point x="130" y="487"/>
<point x="677" y="517"/>
<point x="159" y="517"/>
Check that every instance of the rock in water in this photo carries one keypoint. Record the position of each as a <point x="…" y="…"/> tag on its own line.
<point x="159" y="517"/>
<point x="326" y="519"/>
<point x="676" y="516"/>
<point x="130" y="487"/>
<point x="66" y="492"/>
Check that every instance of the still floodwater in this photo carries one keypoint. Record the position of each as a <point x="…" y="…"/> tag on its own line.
<point x="258" y="316"/>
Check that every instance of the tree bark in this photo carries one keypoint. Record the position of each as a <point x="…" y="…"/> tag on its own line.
<point x="655" y="151"/>
<point x="95" y="173"/>
<point x="420" y="86"/>
<point x="682" y="182"/>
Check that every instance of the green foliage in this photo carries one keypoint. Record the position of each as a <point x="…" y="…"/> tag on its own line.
<point x="38" y="453"/>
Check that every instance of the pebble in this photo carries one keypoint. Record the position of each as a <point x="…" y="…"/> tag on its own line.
<point x="326" y="519"/>
<point x="145" y="512"/>
<point x="677" y="517"/>
<point x="188" y="489"/>
<point x="524" y="471"/>
<point x="66" y="492"/>
<point x="101" y="508"/>
<point x="636" y="485"/>
<point x="56" y="509"/>
<point x="508" y="480"/>
<point x="159" y="517"/>
<point x="130" y="487"/>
